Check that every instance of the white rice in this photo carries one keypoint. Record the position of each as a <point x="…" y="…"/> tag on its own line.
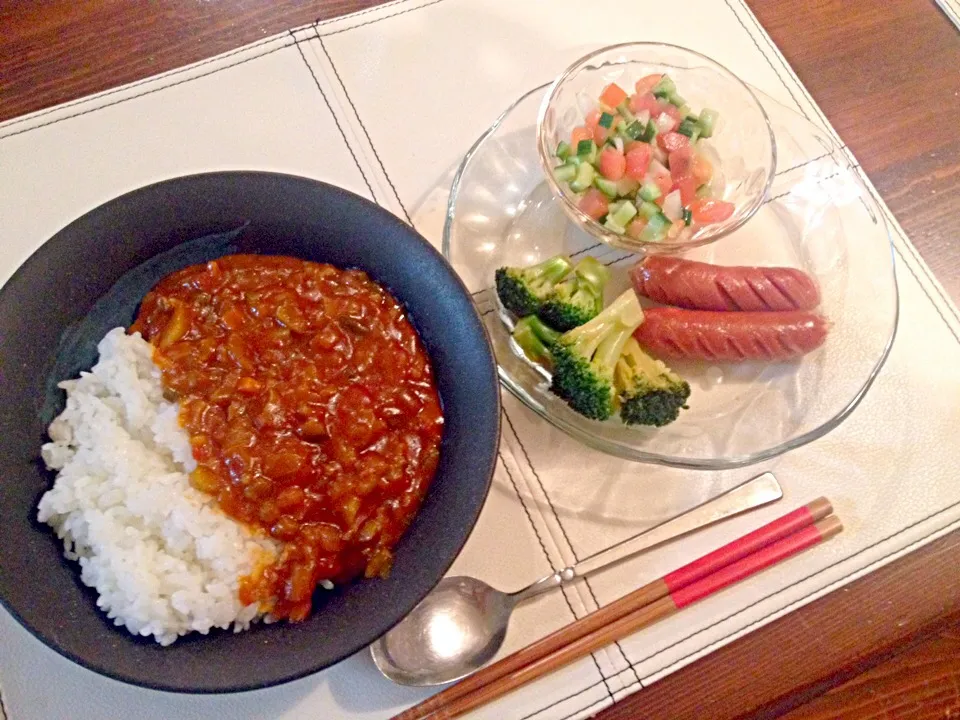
<point x="163" y="558"/>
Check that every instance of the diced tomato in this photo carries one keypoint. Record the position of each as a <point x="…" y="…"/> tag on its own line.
<point x="670" y="110"/>
<point x="701" y="169"/>
<point x="633" y="144"/>
<point x="638" y="160"/>
<point x="688" y="190"/>
<point x="681" y="162"/>
<point x="647" y="83"/>
<point x="664" y="182"/>
<point x="592" y="118"/>
<point x="708" y="211"/>
<point x="645" y="101"/>
<point x="594" y="203"/>
<point x="636" y="227"/>
<point x="580" y="133"/>
<point x="672" y="141"/>
<point x="612" y="163"/>
<point x="613" y="95"/>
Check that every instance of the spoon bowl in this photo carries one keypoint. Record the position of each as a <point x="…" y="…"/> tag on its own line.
<point x="460" y="626"/>
<point x="456" y="630"/>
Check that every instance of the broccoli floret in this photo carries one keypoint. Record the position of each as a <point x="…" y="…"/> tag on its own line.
<point x="584" y="358"/>
<point x="523" y="290"/>
<point x="649" y="392"/>
<point x="578" y="298"/>
<point x="535" y="339"/>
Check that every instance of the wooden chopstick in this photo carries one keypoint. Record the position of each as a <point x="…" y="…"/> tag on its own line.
<point x="651" y="602"/>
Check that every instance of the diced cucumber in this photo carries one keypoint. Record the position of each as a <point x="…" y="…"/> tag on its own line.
<point x="587" y="151"/>
<point x="624" y="110"/>
<point x="585" y="175"/>
<point x="685" y="111"/>
<point x="635" y="130"/>
<point x="708" y="121"/>
<point x="665" y="87"/>
<point x="649" y="209"/>
<point x="607" y="187"/>
<point x="612" y="226"/>
<point x="687" y="127"/>
<point x="675" y="99"/>
<point x="563" y="150"/>
<point x="624" y="213"/>
<point x="687" y="216"/>
<point x="627" y="186"/>
<point x="704" y="191"/>
<point x="695" y="135"/>
<point x="649" y="191"/>
<point x="656" y="228"/>
<point x="606" y="120"/>
<point x="650" y="133"/>
<point x="565" y="173"/>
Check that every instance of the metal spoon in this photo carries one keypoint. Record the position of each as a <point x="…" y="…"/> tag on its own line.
<point x="461" y="624"/>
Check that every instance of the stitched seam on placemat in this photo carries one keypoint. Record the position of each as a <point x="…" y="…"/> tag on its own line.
<point x="563" y="531"/>
<point x="341" y="18"/>
<point x="147" y="92"/>
<point x="924" y="268"/>
<point x="376" y="20"/>
<point x="765" y="57"/>
<point x="798" y="582"/>
<point x="553" y="567"/>
<point x="628" y="689"/>
<point x="720" y="641"/>
<point x="373" y="195"/>
<point x="951" y="10"/>
<point x="130" y="86"/>
<point x="915" y="254"/>
<point x="790" y="74"/>
<point x="363" y="127"/>
<point x="177" y="71"/>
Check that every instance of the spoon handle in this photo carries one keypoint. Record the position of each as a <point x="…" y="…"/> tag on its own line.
<point x="755" y="492"/>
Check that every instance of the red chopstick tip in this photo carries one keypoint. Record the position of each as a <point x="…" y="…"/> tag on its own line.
<point x="828" y="527"/>
<point x="820" y="508"/>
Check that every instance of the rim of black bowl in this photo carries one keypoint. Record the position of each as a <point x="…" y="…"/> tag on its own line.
<point x="129" y="659"/>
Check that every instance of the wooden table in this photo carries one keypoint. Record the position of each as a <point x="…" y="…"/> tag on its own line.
<point x="887" y="74"/>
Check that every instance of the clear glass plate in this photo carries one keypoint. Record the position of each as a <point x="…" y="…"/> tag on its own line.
<point x="818" y="216"/>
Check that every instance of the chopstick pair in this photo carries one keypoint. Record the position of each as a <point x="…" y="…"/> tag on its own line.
<point x="784" y="537"/>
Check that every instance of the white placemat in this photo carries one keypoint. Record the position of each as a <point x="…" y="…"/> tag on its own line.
<point x="951" y="8"/>
<point x="385" y="102"/>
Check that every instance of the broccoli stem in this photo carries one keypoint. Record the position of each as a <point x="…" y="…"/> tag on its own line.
<point x="624" y="311"/>
<point x="593" y="272"/>
<point x="535" y="338"/>
<point x="552" y="270"/>
<point x="586" y="356"/>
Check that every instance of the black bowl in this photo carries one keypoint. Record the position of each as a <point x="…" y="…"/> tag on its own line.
<point x="90" y="277"/>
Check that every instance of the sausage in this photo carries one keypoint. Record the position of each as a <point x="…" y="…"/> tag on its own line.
<point x="679" y="334"/>
<point x="701" y="286"/>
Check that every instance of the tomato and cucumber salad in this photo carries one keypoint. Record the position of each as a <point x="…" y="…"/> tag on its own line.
<point x="636" y="165"/>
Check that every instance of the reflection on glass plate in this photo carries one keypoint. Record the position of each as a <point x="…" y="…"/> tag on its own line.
<point x="819" y="217"/>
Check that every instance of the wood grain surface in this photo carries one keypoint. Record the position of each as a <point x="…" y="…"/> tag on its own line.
<point x="887" y="75"/>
